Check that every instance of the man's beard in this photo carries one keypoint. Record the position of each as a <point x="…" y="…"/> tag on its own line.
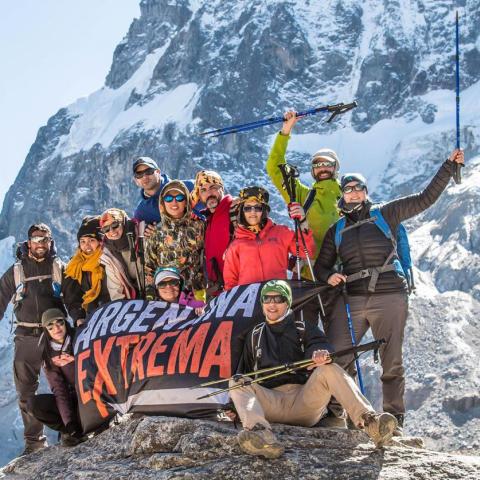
<point x="38" y="256"/>
<point x="323" y="175"/>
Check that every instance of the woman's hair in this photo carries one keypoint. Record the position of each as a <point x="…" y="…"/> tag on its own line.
<point x="46" y="348"/>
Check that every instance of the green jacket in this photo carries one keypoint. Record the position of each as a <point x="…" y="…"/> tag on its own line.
<point x="323" y="211"/>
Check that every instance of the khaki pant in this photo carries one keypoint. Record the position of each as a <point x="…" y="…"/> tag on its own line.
<point x="302" y="405"/>
<point x="386" y="315"/>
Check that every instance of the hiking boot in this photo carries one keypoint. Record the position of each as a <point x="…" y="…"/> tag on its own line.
<point x="67" y="440"/>
<point x="398" y="432"/>
<point x="33" y="447"/>
<point x="379" y="427"/>
<point x="260" y="441"/>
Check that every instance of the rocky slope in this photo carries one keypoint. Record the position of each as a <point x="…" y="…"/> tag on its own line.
<point x="166" y="448"/>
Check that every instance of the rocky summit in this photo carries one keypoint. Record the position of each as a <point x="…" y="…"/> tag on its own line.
<point x="174" y="448"/>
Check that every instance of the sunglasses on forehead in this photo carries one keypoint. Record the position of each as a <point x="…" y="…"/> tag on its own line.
<point x="274" y="299"/>
<point x="359" y="187"/>
<point x="40" y="239"/>
<point x="169" y="198"/>
<point x="253" y="208"/>
<point x="112" y="226"/>
<point x="140" y="174"/>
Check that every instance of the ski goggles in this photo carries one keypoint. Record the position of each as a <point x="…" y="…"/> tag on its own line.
<point x="40" y="239"/>
<point x="174" y="282"/>
<point x="323" y="163"/>
<point x="60" y="322"/>
<point x="274" y="299"/>
<point x="359" y="187"/>
<point x="112" y="226"/>
<point x="253" y="208"/>
<point x="140" y="174"/>
<point x="178" y="198"/>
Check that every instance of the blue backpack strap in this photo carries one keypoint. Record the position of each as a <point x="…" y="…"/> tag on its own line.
<point x="382" y="224"/>
<point x="339" y="227"/>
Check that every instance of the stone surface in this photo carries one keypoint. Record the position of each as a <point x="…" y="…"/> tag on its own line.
<point x="174" y="448"/>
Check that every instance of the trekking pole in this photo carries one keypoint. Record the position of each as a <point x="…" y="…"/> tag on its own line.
<point x="457" y="177"/>
<point x="141" y="252"/>
<point x="283" y="369"/>
<point x="335" y="110"/>
<point x="133" y="258"/>
<point x="354" y="342"/>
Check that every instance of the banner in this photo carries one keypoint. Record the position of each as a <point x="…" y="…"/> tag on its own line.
<point x="138" y="356"/>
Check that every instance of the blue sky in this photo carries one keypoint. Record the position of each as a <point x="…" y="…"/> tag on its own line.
<point x="52" y="52"/>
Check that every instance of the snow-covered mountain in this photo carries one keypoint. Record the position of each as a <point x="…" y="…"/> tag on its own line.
<point x="187" y="65"/>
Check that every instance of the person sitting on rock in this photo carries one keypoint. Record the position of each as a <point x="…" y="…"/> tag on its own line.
<point x="84" y="275"/>
<point x="260" y="250"/>
<point x="169" y="284"/>
<point x="178" y="239"/>
<point x="300" y="397"/>
<point x="320" y="200"/>
<point x="58" y="410"/>
<point x="220" y="214"/>
<point x="362" y="259"/>
<point x="124" y="276"/>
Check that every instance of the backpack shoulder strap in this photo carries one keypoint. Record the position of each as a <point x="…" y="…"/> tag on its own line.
<point x="381" y="223"/>
<point x="309" y="200"/>
<point x="339" y="227"/>
<point x="256" y="338"/>
<point x="19" y="279"/>
<point x="300" y="326"/>
<point x="57" y="270"/>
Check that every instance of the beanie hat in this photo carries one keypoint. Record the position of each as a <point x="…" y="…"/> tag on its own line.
<point x="168" y="272"/>
<point x="281" y="287"/>
<point x="90" y="227"/>
<point x="50" y="315"/>
<point x="115" y="214"/>
<point x="255" y="193"/>
<point x="353" y="177"/>
<point x="328" y="155"/>
<point x="203" y="177"/>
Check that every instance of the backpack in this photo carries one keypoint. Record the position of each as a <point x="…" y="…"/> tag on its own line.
<point x="257" y="333"/>
<point x="401" y="249"/>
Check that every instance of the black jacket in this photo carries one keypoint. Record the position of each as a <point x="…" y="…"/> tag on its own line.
<point x="38" y="297"/>
<point x="281" y="343"/>
<point x="366" y="246"/>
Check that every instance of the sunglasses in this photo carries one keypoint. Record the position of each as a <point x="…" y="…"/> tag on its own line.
<point x="40" y="239"/>
<point x="253" y="208"/>
<point x="112" y="226"/>
<point x="57" y="323"/>
<point x="169" y="198"/>
<point x="140" y="174"/>
<point x="354" y="188"/>
<point x="173" y="283"/>
<point x="274" y="299"/>
<point x="323" y="163"/>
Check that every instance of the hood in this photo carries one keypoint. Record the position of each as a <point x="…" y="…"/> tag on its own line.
<point x="179" y="185"/>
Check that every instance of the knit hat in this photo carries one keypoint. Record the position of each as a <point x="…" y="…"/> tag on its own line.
<point x="255" y="193"/>
<point x="353" y="177"/>
<point x="149" y="162"/>
<point x="113" y="214"/>
<point x="50" y="315"/>
<point x="203" y="177"/>
<point x="281" y="287"/>
<point x="90" y="227"/>
<point x="328" y="155"/>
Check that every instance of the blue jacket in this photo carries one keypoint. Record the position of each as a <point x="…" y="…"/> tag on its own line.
<point x="147" y="209"/>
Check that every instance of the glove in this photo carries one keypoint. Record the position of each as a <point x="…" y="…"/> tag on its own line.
<point x="296" y="211"/>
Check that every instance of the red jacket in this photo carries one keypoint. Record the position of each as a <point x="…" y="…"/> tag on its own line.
<point x="217" y="239"/>
<point x="257" y="258"/>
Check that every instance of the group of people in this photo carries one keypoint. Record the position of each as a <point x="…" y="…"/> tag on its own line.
<point x="187" y="242"/>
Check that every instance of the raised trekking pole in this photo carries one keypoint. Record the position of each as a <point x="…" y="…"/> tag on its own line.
<point x="141" y="252"/>
<point x="133" y="258"/>
<point x="334" y="110"/>
<point x="458" y="167"/>
<point x="354" y="341"/>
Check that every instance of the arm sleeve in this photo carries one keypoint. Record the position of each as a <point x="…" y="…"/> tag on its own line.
<point x="114" y="285"/>
<point x="404" y="208"/>
<point x="315" y="339"/>
<point x="7" y="289"/>
<point x="152" y="260"/>
<point x="230" y="268"/>
<point x="245" y="364"/>
<point x="60" y="390"/>
<point x="73" y="298"/>
<point x="276" y="158"/>
<point x="324" y="265"/>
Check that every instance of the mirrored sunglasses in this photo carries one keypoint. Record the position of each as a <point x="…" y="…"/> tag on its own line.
<point x="40" y="239"/>
<point x="253" y="208"/>
<point x="354" y="188"/>
<point x="323" y="163"/>
<point x="274" y="299"/>
<point x="174" y="282"/>
<point x="169" y="198"/>
<point x="140" y="174"/>
<point x="57" y="323"/>
<point x="112" y="226"/>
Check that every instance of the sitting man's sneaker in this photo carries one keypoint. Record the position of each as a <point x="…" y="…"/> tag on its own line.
<point x="260" y="441"/>
<point x="379" y="427"/>
<point x="398" y="432"/>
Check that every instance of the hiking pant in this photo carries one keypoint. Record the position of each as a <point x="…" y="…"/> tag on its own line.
<point x="302" y="405"/>
<point x="27" y="362"/>
<point x="44" y="408"/>
<point x="386" y="315"/>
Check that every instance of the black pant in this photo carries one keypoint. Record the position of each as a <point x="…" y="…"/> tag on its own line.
<point x="27" y="362"/>
<point x="44" y="408"/>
